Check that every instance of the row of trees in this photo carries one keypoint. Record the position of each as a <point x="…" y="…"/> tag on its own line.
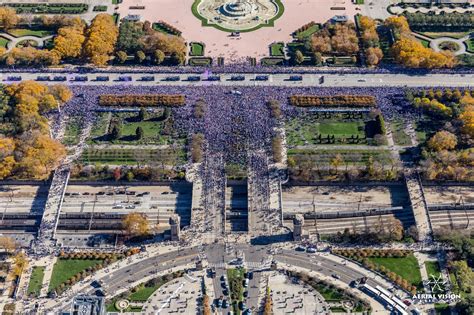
<point x="197" y="147"/>
<point x="454" y="22"/>
<point x="27" y="149"/>
<point x="95" y="44"/>
<point x="151" y="172"/>
<point x="337" y="100"/>
<point x="142" y="41"/>
<point x="147" y="100"/>
<point x="308" y="168"/>
<point x="370" y="40"/>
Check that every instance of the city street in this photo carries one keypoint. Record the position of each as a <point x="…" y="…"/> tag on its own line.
<point x="280" y="79"/>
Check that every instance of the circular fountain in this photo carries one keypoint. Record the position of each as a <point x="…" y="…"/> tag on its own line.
<point x="238" y="15"/>
<point x="239" y="8"/>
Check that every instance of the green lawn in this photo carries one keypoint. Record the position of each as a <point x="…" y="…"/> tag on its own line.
<point x="3" y="42"/>
<point x="19" y="32"/>
<point x="445" y="34"/>
<point x="329" y="294"/>
<point x="400" y="137"/>
<point x="197" y="49"/>
<point x="277" y="49"/>
<point x="470" y="45"/>
<point x="36" y="280"/>
<point x="72" y="132"/>
<point x="432" y="268"/>
<point x="64" y="269"/>
<point x="424" y="42"/>
<point x="168" y="156"/>
<point x="300" y="132"/>
<point x="406" y="267"/>
<point x="153" y="130"/>
<point x="310" y="31"/>
<point x="143" y="293"/>
<point x="359" y="2"/>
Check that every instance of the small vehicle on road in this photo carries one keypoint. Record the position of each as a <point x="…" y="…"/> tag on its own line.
<point x="311" y="250"/>
<point x="261" y="78"/>
<point x="61" y="78"/>
<point x="194" y="78"/>
<point x="147" y="78"/>
<point x="300" y="249"/>
<point x="172" y="78"/>
<point x="237" y="78"/>
<point x="42" y="78"/>
<point x="124" y="78"/>
<point x="14" y="78"/>
<point x="102" y="78"/>
<point x="336" y="276"/>
<point x="296" y="78"/>
<point x="214" y="78"/>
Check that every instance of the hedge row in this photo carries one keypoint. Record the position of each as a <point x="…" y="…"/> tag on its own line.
<point x="96" y="255"/>
<point x="338" y="100"/>
<point x="369" y="252"/>
<point x="142" y="100"/>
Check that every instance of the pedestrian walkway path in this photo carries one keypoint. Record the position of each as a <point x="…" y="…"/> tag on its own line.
<point x="418" y="204"/>
<point x="46" y="240"/>
<point x="13" y="41"/>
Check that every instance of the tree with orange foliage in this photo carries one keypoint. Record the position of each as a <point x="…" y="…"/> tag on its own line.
<point x="467" y="119"/>
<point x="411" y="53"/>
<point x="40" y="156"/>
<point x="8" y="18"/>
<point x="442" y="140"/>
<point x="68" y="43"/>
<point x="374" y="55"/>
<point x="136" y="224"/>
<point x="7" y="160"/>
<point x="101" y="37"/>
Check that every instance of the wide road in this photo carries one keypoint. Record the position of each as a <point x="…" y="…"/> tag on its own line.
<point x="280" y="79"/>
<point x="120" y="278"/>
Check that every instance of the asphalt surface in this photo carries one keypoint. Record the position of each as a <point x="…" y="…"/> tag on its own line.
<point x="280" y="79"/>
<point x="120" y="278"/>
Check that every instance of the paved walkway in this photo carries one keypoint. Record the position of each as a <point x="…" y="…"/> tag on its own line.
<point x="178" y="296"/>
<point x="13" y="41"/>
<point x="435" y="42"/>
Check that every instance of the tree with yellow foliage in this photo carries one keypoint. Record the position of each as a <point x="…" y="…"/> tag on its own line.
<point x="7" y="160"/>
<point x="8" y="18"/>
<point x="136" y="224"/>
<point x="20" y="262"/>
<point x="442" y="140"/>
<point x="101" y="37"/>
<point x="68" y="43"/>
<point x="467" y="119"/>
<point x="30" y="56"/>
<point x="40" y="156"/>
<point x="398" y="24"/>
<point x="411" y="53"/>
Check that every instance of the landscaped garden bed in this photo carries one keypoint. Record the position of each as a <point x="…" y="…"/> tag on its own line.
<point x="400" y="266"/>
<point x="196" y="49"/>
<point x="200" y="61"/>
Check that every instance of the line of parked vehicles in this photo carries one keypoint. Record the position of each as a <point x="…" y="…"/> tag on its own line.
<point x="172" y="78"/>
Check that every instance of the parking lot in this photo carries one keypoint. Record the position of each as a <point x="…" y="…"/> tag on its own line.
<point x="290" y="297"/>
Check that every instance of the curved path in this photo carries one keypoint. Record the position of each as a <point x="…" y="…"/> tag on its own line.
<point x="13" y="41"/>
<point x="435" y="42"/>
